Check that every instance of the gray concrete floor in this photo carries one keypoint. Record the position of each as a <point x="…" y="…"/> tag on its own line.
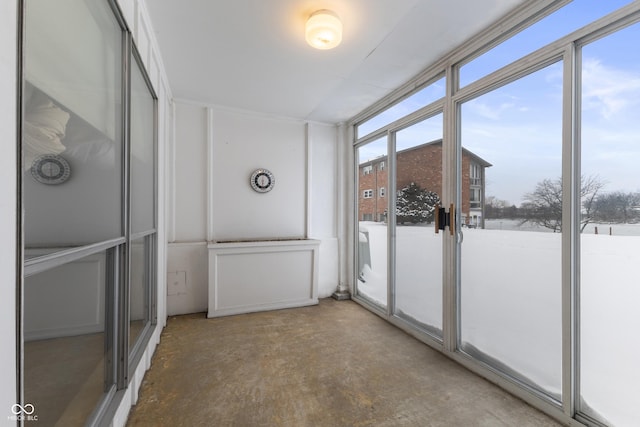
<point x="335" y="364"/>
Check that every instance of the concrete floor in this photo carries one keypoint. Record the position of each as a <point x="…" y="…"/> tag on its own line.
<point x="335" y="364"/>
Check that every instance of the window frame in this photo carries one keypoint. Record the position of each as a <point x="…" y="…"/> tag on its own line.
<point x="563" y="49"/>
<point x="118" y="255"/>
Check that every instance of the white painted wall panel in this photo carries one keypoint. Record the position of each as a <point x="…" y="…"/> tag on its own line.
<point x="190" y="172"/>
<point x="50" y="314"/>
<point x="243" y="142"/>
<point x="191" y="260"/>
<point x="257" y="276"/>
<point x="323" y="153"/>
<point x="328" y="268"/>
<point x="323" y="202"/>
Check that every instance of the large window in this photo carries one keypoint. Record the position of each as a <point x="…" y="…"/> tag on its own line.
<point x="511" y="318"/>
<point x="421" y="98"/>
<point x="142" y="165"/>
<point x="531" y="279"/>
<point x="610" y="237"/>
<point x="576" y="14"/>
<point x="372" y="232"/>
<point x="418" y="261"/>
<point x="89" y="196"/>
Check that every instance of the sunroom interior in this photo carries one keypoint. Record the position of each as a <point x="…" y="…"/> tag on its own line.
<point x="465" y="170"/>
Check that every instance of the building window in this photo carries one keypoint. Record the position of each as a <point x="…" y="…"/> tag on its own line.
<point x="475" y="177"/>
<point x="382" y="191"/>
<point x="367" y="194"/>
<point x="475" y="198"/>
<point x="381" y="166"/>
<point x="367" y="170"/>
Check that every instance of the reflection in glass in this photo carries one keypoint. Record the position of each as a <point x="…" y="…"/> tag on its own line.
<point x="420" y="99"/>
<point x="140" y="272"/>
<point x="72" y="108"/>
<point x="418" y="284"/>
<point x="66" y="355"/>
<point x="510" y="286"/>
<point x="142" y="153"/>
<point x="372" y="221"/>
<point x="609" y="256"/>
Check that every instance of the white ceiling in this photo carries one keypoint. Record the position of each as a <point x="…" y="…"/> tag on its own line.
<point x="251" y="54"/>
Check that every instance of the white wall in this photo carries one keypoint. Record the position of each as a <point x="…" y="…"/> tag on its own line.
<point x="242" y="143"/>
<point x="215" y="151"/>
<point x="8" y="171"/>
<point x="323" y="202"/>
<point x="190" y="177"/>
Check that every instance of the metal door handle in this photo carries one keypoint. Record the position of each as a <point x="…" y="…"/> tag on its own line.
<point x="452" y="218"/>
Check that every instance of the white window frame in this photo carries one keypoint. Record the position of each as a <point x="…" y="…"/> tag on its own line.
<point x="562" y="49"/>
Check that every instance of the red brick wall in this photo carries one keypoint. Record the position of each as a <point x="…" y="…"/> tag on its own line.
<point x="422" y="165"/>
<point x="375" y="205"/>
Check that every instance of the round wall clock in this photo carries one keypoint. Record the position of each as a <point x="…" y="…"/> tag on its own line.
<point x="262" y="180"/>
<point x="50" y="169"/>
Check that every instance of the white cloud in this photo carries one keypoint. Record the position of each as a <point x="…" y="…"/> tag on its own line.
<point x="608" y="90"/>
<point x="490" y="112"/>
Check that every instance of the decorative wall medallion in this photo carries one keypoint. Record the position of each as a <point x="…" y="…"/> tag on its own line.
<point x="50" y="169"/>
<point x="262" y="180"/>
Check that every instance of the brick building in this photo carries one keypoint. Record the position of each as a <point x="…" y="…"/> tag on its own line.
<point x="421" y="164"/>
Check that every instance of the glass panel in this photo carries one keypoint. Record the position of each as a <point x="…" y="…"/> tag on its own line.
<point x="609" y="256"/>
<point x="511" y="253"/>
<point x="142" y="153"/>
<point x="372" y="222"/>
<point x="72" y="109"/>
<point x="422" y="98"/>
<point x="67" y="352"/>
<point x="564" y="21"/>
<point x="418" y="285"/>
<point x="140" y="284"/>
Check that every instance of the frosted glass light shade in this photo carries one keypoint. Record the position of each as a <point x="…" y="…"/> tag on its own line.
<point x="323" y="30"/>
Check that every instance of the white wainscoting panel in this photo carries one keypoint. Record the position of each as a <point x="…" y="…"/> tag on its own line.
<point x="67" y="300"/>
<point x="254" y="276"/>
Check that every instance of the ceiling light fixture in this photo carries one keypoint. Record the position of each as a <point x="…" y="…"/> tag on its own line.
<point x="323" y="29"/>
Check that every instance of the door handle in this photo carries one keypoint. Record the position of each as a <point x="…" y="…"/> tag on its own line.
<point x="452" y="218"/>
<point x="442" y="219"/>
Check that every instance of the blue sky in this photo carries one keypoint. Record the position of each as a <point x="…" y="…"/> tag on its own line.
<point x="517" y="127"/>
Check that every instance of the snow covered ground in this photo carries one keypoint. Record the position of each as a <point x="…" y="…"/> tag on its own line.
<point x="511" y="302"/>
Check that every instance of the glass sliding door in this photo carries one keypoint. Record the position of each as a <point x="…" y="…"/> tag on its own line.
<point x="72" y="139"/>
<point x="90" y="251"/>
<point x="68" y="349"/>
<point x="510" y="197"/>
<point x="72" y="181"/>
<point x="418" y="258"/>
<point x="143" y="201"/>
<point x="372" y="247"/>
<point x="610" y="231"/>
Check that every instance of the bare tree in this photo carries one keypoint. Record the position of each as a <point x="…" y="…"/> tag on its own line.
<point x="544" y="205"/>
<point x="618" y="207"/>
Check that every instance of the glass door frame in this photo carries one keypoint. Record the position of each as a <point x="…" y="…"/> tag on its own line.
<point x="567" y="50"/>
<point x="515" y="71"/>
<point x="389" y="132"/>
